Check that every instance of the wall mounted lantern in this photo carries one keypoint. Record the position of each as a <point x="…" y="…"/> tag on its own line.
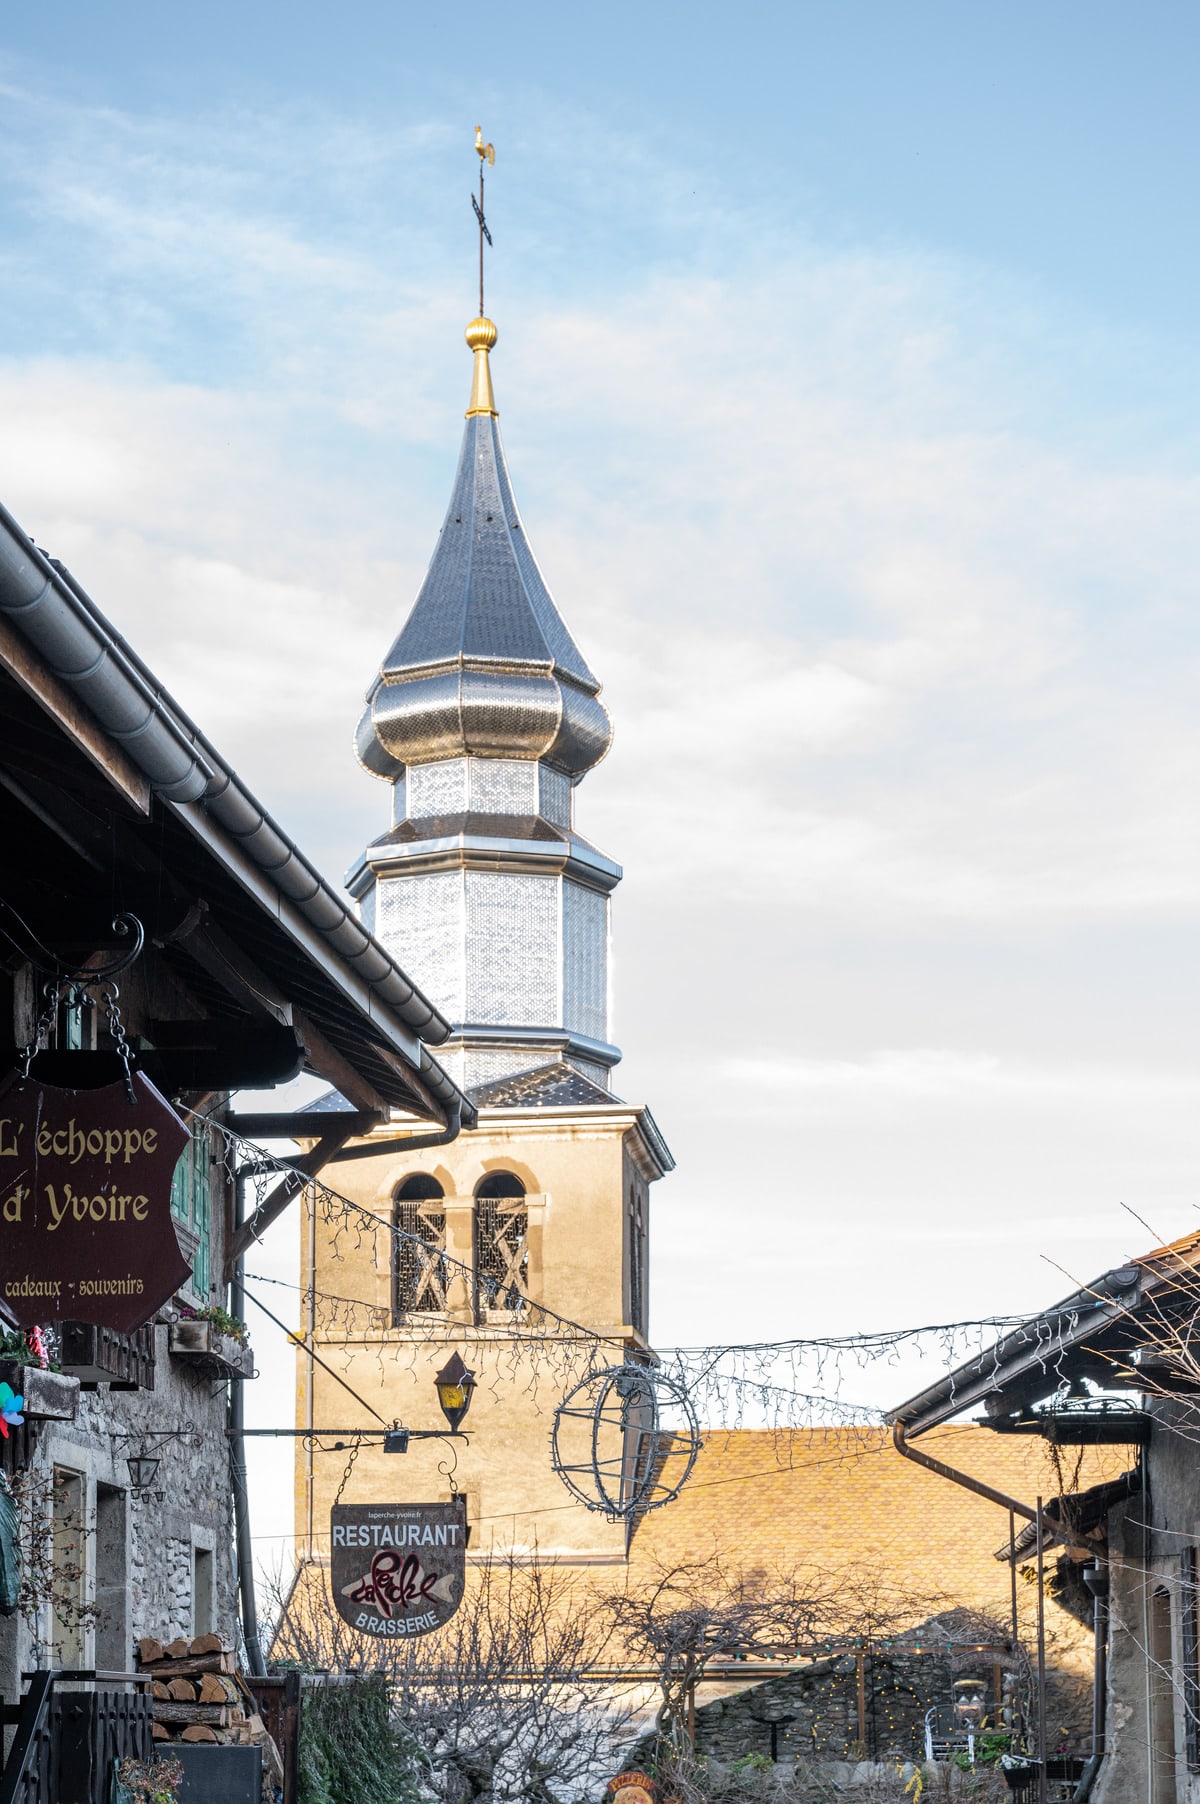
<point x="454" y="1387"/>
<point x="142" y="1470"/>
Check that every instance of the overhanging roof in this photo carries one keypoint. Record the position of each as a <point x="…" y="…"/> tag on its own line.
<point x="1094" y="1331"/>
<point x="208" y="831"/>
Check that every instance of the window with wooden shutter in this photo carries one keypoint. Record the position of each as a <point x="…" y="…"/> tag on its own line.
<point x="191" y="1204"/>
<point x="419" y="1272"/>
<point x="501" y="1241"/>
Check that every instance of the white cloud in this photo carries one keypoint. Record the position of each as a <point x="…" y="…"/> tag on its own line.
<point x="933" y="1075"/>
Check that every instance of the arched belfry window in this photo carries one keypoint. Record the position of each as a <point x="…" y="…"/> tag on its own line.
<point x="419" y="1274"/>
<point x="501" y="1241"/>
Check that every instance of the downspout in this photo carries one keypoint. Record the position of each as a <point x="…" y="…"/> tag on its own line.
<point x="902" y="1445"/>
<point x="1095" y="1577"/>
<point x="307" y="1167"/>
<point x="237" y="1462"/>
<point x="1058" y="1529"/>
<point x="1100" y="1612"/>
<point x="411" y="1143"/>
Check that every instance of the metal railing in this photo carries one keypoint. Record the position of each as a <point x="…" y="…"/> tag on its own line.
<point x="67" y="1740"/>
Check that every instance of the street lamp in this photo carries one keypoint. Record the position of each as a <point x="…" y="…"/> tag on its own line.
<point x="142" y="1470"/>
<point x="454" y="1387"/>
<point x="454" y="1384"/>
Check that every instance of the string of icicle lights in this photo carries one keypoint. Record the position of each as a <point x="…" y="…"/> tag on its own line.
<point x="796" y="1383"/>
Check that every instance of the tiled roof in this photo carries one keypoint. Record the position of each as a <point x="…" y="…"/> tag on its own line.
<point x="1172" y="1250"/>
<point x="555" y="1086"/>
<point x="844" y="1498"/>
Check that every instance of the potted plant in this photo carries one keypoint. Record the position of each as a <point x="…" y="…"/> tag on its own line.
<point x="26" y="1369"/>
<point x="154" y="1781"/>
<point x="213" y="1338"/>
<point x="1020" y="1771"/>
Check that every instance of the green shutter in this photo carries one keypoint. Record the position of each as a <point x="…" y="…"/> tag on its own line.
<point x="181" y="1186"/>
<point x="201" y="1190"/>
<point x="191" y="1188"/>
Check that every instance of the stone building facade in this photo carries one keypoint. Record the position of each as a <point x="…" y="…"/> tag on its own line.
<point x="1113" y="1364"/>
<point x="250" y="969"/>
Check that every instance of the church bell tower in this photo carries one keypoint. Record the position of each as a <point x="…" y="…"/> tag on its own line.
<point x="483" y="718"/>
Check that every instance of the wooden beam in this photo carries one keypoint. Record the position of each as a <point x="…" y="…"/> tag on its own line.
<point x="329" y="1063"/>
<point x="224" y="960"/>
<point x="69" y="713"/>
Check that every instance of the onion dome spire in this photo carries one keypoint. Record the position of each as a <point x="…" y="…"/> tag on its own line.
<point x="484" y="665"/>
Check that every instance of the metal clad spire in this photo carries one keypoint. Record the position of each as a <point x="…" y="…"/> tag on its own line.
<point x="483" y="717"/>
<point x="484" y="665"/>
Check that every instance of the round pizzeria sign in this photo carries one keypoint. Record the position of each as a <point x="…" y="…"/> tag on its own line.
<point x="630" y="1788"/>
<point x="397" y="1569"/>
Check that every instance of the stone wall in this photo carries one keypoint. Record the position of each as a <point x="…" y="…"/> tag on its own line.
<point x="823" y="1704"/>
<point x="1149" y="1539"/>
<point x="143" y="1558"/>
<point x="816" y="1711"/>
<point x="140" y="1566"/>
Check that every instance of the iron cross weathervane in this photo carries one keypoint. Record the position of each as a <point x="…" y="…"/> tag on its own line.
<point x="486" y="154"/>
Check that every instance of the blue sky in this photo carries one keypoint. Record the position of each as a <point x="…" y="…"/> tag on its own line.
<point x="1051" y="145"/>
<point x="847" y="370"/>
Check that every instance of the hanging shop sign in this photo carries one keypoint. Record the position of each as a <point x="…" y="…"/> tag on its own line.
<point x="85" y="1203"/>
<point x="630" y="1788"/>
<point x="397" y="1568"/>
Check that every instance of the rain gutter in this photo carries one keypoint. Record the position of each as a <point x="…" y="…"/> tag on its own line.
<point x="1034" y="1345"/>
<point x="1069" y="1323"/>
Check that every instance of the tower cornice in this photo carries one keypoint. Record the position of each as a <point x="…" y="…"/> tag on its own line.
<point x="462" y="851"/>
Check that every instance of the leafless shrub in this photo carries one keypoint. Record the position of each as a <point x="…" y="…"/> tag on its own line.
<point x="685" y="1616"/>
<point x="502" y="1703"/>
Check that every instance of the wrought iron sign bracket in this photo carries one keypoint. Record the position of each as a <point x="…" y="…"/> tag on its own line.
<point x="26" y="943"/>
<point x="399" y="1437"/>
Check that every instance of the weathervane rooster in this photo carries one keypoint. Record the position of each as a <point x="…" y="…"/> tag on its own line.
<point x="487" y="154"/>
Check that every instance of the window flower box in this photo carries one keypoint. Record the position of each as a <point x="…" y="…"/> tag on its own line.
<point x="49" y="1396"/>
<point x="204" y="1345"/>
<point x="102" y="1356"/>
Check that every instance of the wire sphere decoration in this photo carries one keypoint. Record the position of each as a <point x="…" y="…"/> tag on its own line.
<point x="625" y="1440"/>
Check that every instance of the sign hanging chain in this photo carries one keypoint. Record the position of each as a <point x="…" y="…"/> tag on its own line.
<point x="354" y="1447"/>
<point x="71" y="986"/>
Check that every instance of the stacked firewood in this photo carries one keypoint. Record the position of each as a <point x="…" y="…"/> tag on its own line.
<point x="198" y="1694"/>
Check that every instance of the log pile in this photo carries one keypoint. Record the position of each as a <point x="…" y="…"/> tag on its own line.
<point x="198" y="1694"/>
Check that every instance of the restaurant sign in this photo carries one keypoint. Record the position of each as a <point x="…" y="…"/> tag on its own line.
<point x="397" y="1568"/>
<point x="85" y="1203"/>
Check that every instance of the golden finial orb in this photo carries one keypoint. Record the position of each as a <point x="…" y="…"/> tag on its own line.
<point x="481" y="334"/>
